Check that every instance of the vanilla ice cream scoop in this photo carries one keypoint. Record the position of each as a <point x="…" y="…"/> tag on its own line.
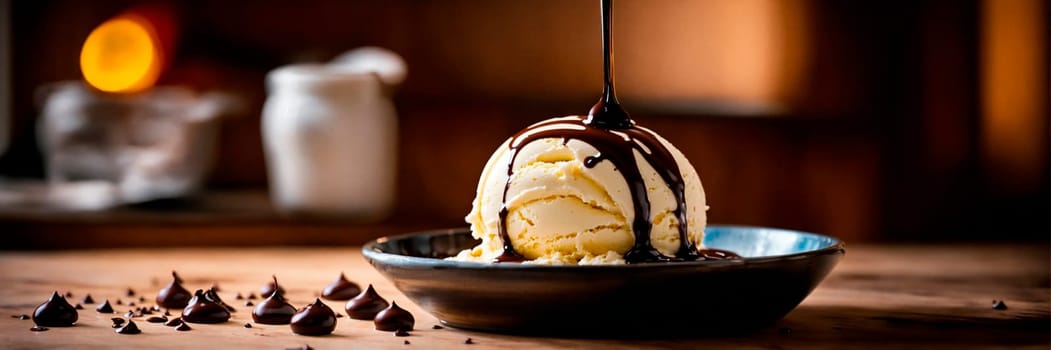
<point x="566" y="192"/>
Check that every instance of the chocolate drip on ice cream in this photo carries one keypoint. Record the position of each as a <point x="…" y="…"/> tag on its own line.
<point x="617" y="146"/>
<point x="609" y="129"/>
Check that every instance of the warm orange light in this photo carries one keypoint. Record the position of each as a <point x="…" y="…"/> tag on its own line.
<point x="121" y="55"/>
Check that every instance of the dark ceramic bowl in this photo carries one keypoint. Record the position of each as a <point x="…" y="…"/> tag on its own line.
<point x="779" y="269"/>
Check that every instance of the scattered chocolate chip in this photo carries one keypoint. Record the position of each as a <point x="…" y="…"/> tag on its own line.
<point x="394" y="318"/>
<point x="174" y="322"/>
<point x="215" y="287"/>
<point x="339" y="315"/>
<point x="142" y="299"/>
<point x="131" y="303"/>
<point x="21" y="317"/>
<point x="251" y="296"/>
<point x="129" y="328"/>
<point x="131" y="314"/>
<point x="314" y="319"/>
<point x="119" y="302"/>
<point x="88" y="300"/>
<point x="78" y="306"/>
<point x="784" y="330"/>
<point x="166" y="313"/>
<point x="270" y="288"/>
<point x="205" y="307"/>
<point x="157" y="319"/>
<point x="249" y="303"/>
<point x="131" y="292"/>
<point x="436" y="327"/>
<point x="366" y="305"/>
<point x="248" y="325"/>
<point x="341" y="289"/>
<point x="105" y="308"/>
<point x="274" y="310"/>
<point x="55" y="312"/>
<point x="999" y="305"/>
<point x="183" y="327"/>
<point x="239" y="296"/>
<point x="117" y="321"/>
<point x="468" y="341"/>
<point x="69" y="294"/>
<point x="174" y="296"/>
<point x="401" y="333"/>
<point x="38" y="329"/>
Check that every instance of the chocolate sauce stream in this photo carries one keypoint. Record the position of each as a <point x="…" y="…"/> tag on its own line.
<point x="607" y="112"/>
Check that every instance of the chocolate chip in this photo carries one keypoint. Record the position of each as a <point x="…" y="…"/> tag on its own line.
<point x="157" y="319"/>
<point x="239" y="296"/>
<point x="468" y="341"/>
<point x="69" y="294"/>
<point x="406" y="342"/>
<point x="436" y="327"/>
<point x="999" y="305"/>
<point x="183" y="327"/>
<point x="248" y="325"/>
<point x="174" y="322"/>
<point x="21" y="317"/>
<point x="38" y="329"/>
<point x="131" y="292"/>
<point x="249" y="303"/>
<point x="79" y="307"/>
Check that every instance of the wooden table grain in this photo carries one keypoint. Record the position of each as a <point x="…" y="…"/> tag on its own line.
<point x="895" y="296"/>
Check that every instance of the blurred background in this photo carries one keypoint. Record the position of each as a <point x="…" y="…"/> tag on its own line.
<point x="873" y="121"/>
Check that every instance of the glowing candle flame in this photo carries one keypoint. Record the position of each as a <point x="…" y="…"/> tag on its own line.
<point x="122" y="55"/>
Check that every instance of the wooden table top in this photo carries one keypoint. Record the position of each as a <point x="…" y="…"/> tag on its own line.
<point x="930" y="297"/>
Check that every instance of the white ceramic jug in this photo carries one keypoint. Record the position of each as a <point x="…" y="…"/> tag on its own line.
<point x="330" y="140"/>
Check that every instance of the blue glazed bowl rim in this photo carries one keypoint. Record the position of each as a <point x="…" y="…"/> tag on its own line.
<point x="372" y="252"/>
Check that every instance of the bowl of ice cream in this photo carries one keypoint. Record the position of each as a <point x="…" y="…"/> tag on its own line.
<point x="777" y="270"/>
<point x="586" y="225"/>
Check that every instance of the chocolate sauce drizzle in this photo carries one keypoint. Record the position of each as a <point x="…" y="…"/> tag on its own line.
<point x="609" y="129"/>
<point x="55" y="312"/>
